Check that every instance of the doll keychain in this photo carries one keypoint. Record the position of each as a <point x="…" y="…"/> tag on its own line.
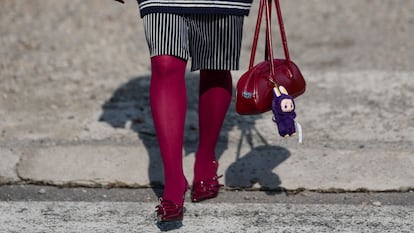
<point x="283" y="108"/>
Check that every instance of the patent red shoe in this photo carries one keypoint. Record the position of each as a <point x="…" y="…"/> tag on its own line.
<point x="205" y="189"/>
<point x="168" y="211"/>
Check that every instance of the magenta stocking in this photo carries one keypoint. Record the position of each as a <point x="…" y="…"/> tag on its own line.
<point x="214" y="101"/>
<point x="168" y="105"/>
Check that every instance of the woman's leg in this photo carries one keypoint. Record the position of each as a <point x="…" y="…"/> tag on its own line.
<point x="168" y="102"/>
<point x="214" y="100"/>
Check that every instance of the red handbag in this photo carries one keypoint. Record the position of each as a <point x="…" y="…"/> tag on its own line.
<point x="254" y="88"/>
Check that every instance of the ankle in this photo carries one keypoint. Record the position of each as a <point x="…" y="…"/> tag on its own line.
<point x="175" y="191"/>
<point x="205" y="170"/>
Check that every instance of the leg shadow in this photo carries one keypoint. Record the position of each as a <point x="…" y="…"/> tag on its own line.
<point x="129" y="107"/>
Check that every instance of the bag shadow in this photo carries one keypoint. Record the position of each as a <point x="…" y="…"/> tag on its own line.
<point x="256" y="167"/>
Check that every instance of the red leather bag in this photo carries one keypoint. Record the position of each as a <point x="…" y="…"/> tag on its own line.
<point x="254" y="88"/>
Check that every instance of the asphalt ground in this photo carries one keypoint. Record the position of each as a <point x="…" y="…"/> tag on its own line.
<point x="33" y="208"/>
<point x="13" y="193"/>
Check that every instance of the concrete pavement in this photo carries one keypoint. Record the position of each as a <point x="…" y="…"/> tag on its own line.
<point x="37" y="208"/>
<point x="74" y="110"/>
<point x="226" y="217"/>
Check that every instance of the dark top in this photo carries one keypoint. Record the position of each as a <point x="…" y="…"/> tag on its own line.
<point x="228" y="7"/>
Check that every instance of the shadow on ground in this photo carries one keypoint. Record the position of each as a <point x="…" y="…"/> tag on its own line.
<point x="256" y="167"/>
<point x="129" y="108"/>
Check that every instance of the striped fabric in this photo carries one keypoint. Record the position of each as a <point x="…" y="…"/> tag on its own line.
<point x="228" y="7"/>
<point x="211" y="41"/>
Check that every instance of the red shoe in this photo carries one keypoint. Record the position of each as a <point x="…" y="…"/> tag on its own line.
<point x="206" y="189"/>
<point x="168" y="211"/>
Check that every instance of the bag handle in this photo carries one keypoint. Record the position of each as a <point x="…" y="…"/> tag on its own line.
<point x="282" y="31"/>
<point x="256" y="33"/>
<point x="269" y="47"/>
<point x="269" y="43"/>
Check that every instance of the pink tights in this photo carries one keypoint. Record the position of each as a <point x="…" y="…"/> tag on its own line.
<point x="168" y="102"/>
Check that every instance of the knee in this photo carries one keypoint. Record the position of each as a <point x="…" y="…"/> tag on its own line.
<point x="165" y="65"/>
<point x="219" y="74"/>
<point x="215" y="78"/>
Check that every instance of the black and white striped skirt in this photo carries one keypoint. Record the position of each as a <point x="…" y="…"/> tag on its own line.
<point x="212" y="42"/>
